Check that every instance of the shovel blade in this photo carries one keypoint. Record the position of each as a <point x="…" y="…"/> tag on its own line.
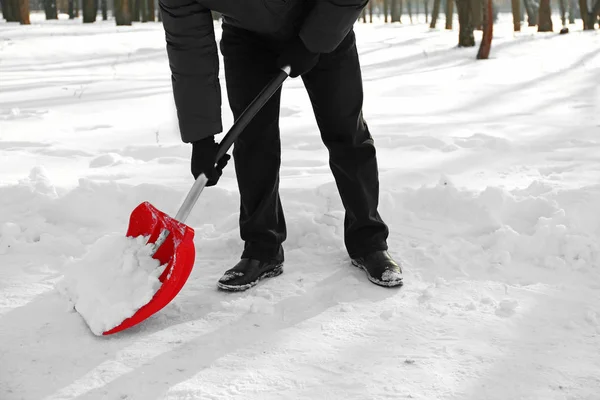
<point x="177" y="252"/>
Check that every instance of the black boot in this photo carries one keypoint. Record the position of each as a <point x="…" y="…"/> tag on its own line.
<point x="247" y="273"/>
<point x="381" y="268"/>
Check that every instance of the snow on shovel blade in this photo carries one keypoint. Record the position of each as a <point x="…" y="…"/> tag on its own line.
<point x="177" y="251"/>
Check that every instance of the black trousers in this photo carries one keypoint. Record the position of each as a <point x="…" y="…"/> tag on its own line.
<point x="335" y="90"/>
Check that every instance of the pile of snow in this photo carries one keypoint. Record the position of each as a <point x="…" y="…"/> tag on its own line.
<point x="112" y="281"/>
<point x="539" y="224"/>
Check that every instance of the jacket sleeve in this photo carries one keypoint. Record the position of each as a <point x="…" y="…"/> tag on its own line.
<point x="194" y="63"/>
<point x="328" y="23"/>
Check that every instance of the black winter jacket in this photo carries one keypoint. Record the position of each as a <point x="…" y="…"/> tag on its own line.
<point x="192" y="49"/>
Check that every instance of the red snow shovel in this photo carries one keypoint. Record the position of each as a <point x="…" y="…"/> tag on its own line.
<point x="173" y="240"/>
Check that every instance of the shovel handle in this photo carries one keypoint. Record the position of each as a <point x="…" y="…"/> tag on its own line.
<point x="231" y="136"/>
<point x="251" y="111"/>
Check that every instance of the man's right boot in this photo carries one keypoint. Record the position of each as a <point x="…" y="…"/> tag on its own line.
<point x="247" y="273"/>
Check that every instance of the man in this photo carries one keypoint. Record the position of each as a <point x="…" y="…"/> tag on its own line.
<point x="259" y="37"/>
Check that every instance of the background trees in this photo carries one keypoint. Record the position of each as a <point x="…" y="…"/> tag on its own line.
<point x="468" y="12"/>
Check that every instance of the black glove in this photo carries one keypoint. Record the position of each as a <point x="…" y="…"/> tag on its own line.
<point x="204" y="158"/>
<point x="297" y="56"/>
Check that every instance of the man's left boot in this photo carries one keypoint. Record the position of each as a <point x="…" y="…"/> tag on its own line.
<point x="381" y="268"/>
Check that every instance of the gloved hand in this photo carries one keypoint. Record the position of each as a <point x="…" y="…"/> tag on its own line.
<point x="297" y="56"/>
<point x="204" y="158"/>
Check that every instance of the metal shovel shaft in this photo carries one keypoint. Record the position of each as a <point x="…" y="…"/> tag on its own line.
<point x="231" y="136"/>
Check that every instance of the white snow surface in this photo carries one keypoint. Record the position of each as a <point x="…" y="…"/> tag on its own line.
<point x="490" y="183"/>
<point x="115" y="278"/>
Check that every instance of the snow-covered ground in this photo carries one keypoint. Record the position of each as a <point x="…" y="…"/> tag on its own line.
<point x="490" y="182"/>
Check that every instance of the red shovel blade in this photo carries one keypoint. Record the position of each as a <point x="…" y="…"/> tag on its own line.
<point x="178" y="251"/>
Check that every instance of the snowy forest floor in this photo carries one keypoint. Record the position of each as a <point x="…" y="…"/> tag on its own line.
<point x="490" y="183"/>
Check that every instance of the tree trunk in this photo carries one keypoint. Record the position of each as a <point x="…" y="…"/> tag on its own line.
<point x="122" y="12"/>
<point x="449" y="13"/>
<point x="151" y="11"/>
<point x="104" y="5"/>
<point x="409" y="6"/>
<point x="435" y="13"/>
<point x="16" y="13"/>
<point x="595" y="14"/>
<point x="395" y="10"/>
<point x="71" y="9"/>
<point x="89" y="11"/>
<point x="477" y="11"/>
<point x="4" y="10"/>
<point x="50" y="9"/>
<point x="545" y="17"/>
<point x="426" y="11"/>
<point x="24" y="12"/>
<point x="585" y="17"/>
<point x="488" y="31"/>
<point x="562" y="4"/>
<point x="134" y="7"/>
<point x="10" y="10"/>
<point x="516" y="11"/>
<point x="572" y="7"/>
<point x="531" y="6"/>
<point x="77" y="7"/>
<point x="144" y="10"/>
<point x="465" y="28"/>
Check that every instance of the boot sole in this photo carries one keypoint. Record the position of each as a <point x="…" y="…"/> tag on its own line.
<point x="278" y="270"/>
<point x="388" y="284"/>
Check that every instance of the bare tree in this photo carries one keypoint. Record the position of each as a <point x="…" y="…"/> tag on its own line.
<point x="435" y="13"/>
<point x="488" y="31"/>
<point x="545" y="17"/>
<point x="531" y="6"/>
<point x="426" y="11"/>
<point x="562" y="5"/>
<point x="24" y="12"/>
<point x="10" y="10"/>
<point x="89" y="10"/>
<point x="104" y="6"/>
<point x="465" y="22"/>
<point x="134" y="7"/>
<point x="409" y="6"/>
<point x="50" y="9"/>
<point x="589" y="17"/>
<point x="4" y="9"/>
<point x="572" y="6"/>
<point x="151" y="11"/>
<point x="449" y="13"/>
<point x="418" y="10"/>
<point x="144" y="10"/>
<point x="122" y="12"/>
<point x="396" y="10"/>
<point x="516" y="11"/>
<point x="477" y="11"/>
